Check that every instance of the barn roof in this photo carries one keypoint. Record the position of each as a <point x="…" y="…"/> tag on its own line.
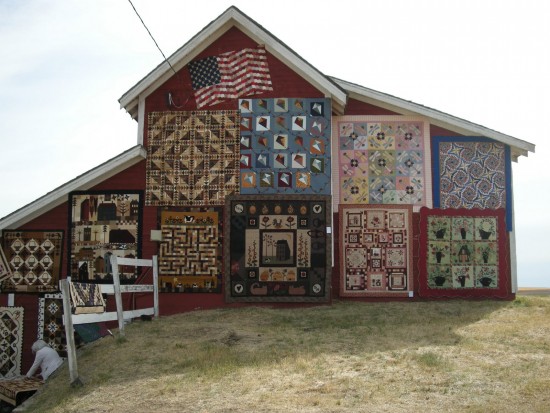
<point x="85" y="181"/>
<point x="436" y="117"/>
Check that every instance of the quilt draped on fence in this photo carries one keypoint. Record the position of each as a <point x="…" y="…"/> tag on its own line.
<point x="86" y="298"/>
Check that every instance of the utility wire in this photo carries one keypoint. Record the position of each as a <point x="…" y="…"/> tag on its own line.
<point x="156" y="44"/>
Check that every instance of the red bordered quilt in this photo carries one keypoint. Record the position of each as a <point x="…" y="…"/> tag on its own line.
<point x="463" y="253"/>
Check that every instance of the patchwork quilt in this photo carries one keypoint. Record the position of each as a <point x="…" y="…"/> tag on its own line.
<point x="375" y="250"/>
<point x="5" y="271"/>
<point x="102" y="224"/>
<point x="463" y="253"/>
<point x="50" y="322"/>
<point x="277" y="248"/>
<point x="472" y="172"/>
<point x="192" y="158"/>
<point x="86" y="298"/>
<point x="11" y="340"/>
<point x="190" y="254"/>
<point x="382" y="160"/>
<point x="285" y="146"/>
<point x="34" y="258"/>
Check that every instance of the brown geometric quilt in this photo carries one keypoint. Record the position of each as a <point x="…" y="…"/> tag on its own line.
<point x="192" y="158"/>
<point x="11" y="340"/>
<point x="34" y="258"/>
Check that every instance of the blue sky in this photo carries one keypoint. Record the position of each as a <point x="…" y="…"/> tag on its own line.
<point x="65" y="64"/>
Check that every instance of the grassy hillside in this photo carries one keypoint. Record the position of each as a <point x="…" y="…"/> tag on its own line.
<point x="453" y="356"/>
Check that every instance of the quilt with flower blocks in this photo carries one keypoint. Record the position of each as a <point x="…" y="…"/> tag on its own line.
<point x="463" y="253"/>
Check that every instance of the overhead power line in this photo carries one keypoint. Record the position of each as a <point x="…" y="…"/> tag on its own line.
<point x="156" y="44"/>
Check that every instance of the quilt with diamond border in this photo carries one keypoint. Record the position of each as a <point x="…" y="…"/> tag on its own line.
<point x="382" y="160"/>
<point x="472" y="172"/>
<point x="102" y="224"/>
<point x="463" y="253"/>
<point x="34" y="257"/>
<point x="285" y="146"/>
<point x="192" y="158"/>
<point x="277" y="248"/>
<point x="11" y="340"/>
<point x="375" y="250"/>
<point x="50" y="322"/>
<point x="190" y="254"/>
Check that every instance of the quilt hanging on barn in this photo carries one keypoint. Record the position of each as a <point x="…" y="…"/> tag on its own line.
<point x="102" y="224"/>
<point x="463" y="253"/>
<point x="277" y="248"/>
<point x="34" y="258"/>
<point x="50" y="322"/>
<point x="382" y="160"/>
<point x="11" y="340"/>
<point x="375" y="250"/>
<point x="190" y="254"/>
<point x="472" y="172"/>
<point x="192" y="158"/>
<point x="285" y="146"/>
<point x="5" y="271"/>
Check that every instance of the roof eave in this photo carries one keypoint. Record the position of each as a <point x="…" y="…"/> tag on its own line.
<point x="85" y="181"/>
<point x="231" y="17"/>
<point x="438" y="118"/>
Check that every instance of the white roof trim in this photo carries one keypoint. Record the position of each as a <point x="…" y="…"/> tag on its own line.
<point x="444" y="120"/>
<point x="231" y="17"/>
<point x="85" y="181"/>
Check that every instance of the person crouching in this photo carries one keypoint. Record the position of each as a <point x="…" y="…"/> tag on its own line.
<point x="46" y="358"/>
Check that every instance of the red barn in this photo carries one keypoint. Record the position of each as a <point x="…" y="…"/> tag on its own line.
<point x="257" y="178"/>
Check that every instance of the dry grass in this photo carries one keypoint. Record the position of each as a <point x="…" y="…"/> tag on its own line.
<point x="457" y="356"/>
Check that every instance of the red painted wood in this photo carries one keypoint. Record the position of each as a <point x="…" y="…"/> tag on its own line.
<point x="356" y="107"/>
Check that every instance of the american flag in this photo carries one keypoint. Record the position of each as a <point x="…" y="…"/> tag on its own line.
<point x="230" y="75"/>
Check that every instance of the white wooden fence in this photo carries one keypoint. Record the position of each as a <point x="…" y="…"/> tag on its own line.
<point x="69" y="319"/>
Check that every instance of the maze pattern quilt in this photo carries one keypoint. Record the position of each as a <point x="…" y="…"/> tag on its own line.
<point x="472" y="172"/>
<point x="277" y="248"/>
<point x="102" y="224"/>
<point x="375" y="250"/>
<point x="34" y="258"/>
<point x="190" y="254"/>
<point x="382" y="160"/>
<point x="285" y="146"/>
<point x="11" y="340"/>
<point x="463" y="253"/>
<point x="192" y="158"/>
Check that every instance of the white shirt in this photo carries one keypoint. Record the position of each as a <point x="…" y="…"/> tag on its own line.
<point x="48" y="360"/>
